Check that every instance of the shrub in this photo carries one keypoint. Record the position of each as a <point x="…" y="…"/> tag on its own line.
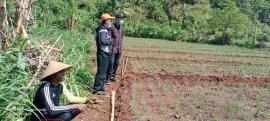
<point x="264" y="38"/>
<point x="19" y="62"/>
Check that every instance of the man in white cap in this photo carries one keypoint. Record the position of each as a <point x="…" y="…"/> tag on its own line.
<point x="47" y="97"/>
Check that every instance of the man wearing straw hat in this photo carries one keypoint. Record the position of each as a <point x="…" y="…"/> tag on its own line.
<point x="47" y="97"/>
<point x="104" y="43"/>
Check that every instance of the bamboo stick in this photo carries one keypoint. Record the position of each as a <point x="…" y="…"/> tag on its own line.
<point x="50" y="48"/>
<point x="56" y="49"/>
<point x="125" y="67"/>
<point x="122" y="68"/>
<point x="112" y="105"/>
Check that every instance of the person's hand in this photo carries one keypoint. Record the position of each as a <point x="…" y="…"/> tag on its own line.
<point x="92" y="100"/>
<point x="80" y="107"/>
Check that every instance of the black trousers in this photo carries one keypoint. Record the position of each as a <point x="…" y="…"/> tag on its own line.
<point x="66" y="116"/>
<point x="113" y="65"/>
<point x="102" y="66"/>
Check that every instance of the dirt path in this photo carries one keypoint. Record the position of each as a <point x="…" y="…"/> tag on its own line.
<point x="100" y="112"/>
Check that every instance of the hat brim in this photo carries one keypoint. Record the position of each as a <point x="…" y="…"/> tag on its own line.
<point x="54" y="68"/>
<point x="111" y="18"/>
<point x="108" y="18"/>
<point x="44" y="78"/>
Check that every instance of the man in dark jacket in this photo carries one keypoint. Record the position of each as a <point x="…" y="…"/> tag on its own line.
<point x="104" y="45"/>
<point x="117" y="36"/>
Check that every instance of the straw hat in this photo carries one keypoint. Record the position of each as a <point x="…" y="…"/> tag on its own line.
<point x="53" y="68"/>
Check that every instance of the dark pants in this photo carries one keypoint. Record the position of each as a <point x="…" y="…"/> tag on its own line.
<point x="66" y="116"/>
<point x="113" y="65"/>
<point x="102" y="66"/>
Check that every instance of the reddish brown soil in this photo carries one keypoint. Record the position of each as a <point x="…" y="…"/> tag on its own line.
<point x="195" y="60"/>
<point x="195" y="79"/>
<point x="123" y="110"/>
<point x="102" y="110"/>
<point x="125" y="92"/>
<point x="145" y="94"/>
<point x="157" y="50"/>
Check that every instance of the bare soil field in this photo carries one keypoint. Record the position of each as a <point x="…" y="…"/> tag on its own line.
<point x="173" y="81"/>
<point x="191" y="84"/>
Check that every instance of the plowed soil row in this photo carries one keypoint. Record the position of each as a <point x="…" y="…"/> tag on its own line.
<point x="184" y="79"/>
<point x="194" y="60"/>
<point x="146" y="100"/>
<point x="213" y="53"/>
<point x="174" y="96"/>
<point x="124" y="110"/>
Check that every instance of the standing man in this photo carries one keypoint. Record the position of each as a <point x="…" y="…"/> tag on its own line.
<point x="117" y="36"/>
<point x="104" y="43"/>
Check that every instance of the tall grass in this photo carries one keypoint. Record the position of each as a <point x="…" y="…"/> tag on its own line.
<point x="17" y="67"/>
<point x="14" y="97"/>
<point x="76" y="48"/>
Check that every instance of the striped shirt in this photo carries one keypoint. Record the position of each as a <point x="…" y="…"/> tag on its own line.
<point x="47" y="99"/>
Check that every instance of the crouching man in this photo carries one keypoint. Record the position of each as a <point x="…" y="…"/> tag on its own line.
<point x="47" y="97"/>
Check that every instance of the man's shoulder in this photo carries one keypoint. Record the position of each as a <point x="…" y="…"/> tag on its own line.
<point x="113" y="29"/>
<point x="101" y="27"/>
<point x="42" y="86"/>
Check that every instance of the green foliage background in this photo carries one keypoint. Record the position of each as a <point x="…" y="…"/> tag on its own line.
<point x="179" y="20"/>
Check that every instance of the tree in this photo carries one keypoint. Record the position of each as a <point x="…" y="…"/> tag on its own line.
<point x="222" y="4"/>
<point x="22" y="16"/>
<point x="228" y="21"/>
<point x="264" y="15"/>
<point x="71" y="19"/>
<point x="167" y="6"/>
<point x="3" y="24"/>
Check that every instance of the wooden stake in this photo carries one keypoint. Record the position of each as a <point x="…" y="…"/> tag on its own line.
<point x="122" y="69"/>
<point x="112" y="105"/>
<point x="125" y="67"/>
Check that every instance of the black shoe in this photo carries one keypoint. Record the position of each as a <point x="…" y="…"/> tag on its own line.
<point x="114" y="80"/>
<point x="101" y="93"/>
<point x="93" y="91"/>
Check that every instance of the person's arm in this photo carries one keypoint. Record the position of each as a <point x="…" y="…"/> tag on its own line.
<point x="123" y="34"/>
<point x="71" y="98"/>
<point x="104" y="37"/>
<point x="114" y="33"/>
